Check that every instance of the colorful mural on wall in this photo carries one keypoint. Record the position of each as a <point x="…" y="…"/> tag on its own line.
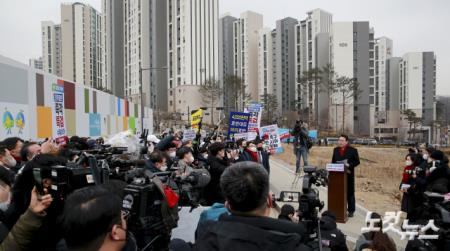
<point x="57" y="107"/>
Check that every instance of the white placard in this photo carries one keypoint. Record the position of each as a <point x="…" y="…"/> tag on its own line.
<point x="335" y="167"/>
<point x="245" y="135"/>
<point x="189" y="134"/>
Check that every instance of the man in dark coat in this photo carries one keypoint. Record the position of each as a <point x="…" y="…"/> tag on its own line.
<point x="438" y="180"/>
<point x="348" y="155"/>
<point x="263" y="156"/>
<point x="156" y="162"/>
<point x="245" y="186"/>
<point x="217" y="165"/>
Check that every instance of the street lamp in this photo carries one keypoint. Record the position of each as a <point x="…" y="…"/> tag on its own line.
<point x="140" y="90"/>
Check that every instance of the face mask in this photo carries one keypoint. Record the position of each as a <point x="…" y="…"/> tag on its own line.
<point x="10" y="162"/>
<point x="163" y="168"/>
<point x="408" y="162"/>
<point x="205" y="156"/>
<point x="425" y="156"/>
<point x="253" y="149"/>
<point x="191" y="159"/>
<point x="172" y="154"/>
<point x="260" y="148"/>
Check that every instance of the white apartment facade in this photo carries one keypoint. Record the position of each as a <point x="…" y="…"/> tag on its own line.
<point x="379" y="89"/>
<point x="312" y="51"/>
<point x="81" y="44"/>
<point x="418" y="84"/>
<point x="193" y="53"/>
<point x="352" y="46"/>
<point x="51" y="47"/>
<point x="267" y="83"/>
<point x="246" y="38"/>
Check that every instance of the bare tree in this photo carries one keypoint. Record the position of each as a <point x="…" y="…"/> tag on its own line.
<point x="328" y="85"/>
<point x="270" y="103"/>
<point x="211" y="92"/>
<point x="348" y="88"/>
<point x="235" y="88"/>
<point x="312" y="80"/>
<point x="413" y="122"/>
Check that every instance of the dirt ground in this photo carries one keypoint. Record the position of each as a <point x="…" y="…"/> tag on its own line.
<point x="377" y="177"/>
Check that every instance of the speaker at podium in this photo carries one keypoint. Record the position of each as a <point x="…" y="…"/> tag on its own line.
<point x="337" y="190"/>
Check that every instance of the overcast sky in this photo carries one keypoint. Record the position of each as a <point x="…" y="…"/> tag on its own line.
<point x="414" y="25"/>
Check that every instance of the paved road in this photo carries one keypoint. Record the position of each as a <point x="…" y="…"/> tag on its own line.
<point x="281" y="178"/>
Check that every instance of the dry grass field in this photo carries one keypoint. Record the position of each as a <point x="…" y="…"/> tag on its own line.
<point x="377" y="177"/>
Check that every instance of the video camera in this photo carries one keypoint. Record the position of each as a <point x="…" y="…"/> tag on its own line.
<point x="309" y="202"/>
<point x="434" y="208"/>
<point x="88" y="169"/>
<point x="152" y="211"/>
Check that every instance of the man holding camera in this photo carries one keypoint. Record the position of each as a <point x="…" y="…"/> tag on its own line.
<point x="245" y="186"/>
<point x="347" y="155"/>
<point x="301" y="149"/>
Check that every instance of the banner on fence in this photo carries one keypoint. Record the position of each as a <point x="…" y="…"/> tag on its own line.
<point x="59" y="124"/>
<point x="14" y="121"/>
<point x="238" y="123"/>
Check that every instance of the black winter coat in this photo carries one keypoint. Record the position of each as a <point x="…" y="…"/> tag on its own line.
<point x="439" y="179"/>
<point x="213" y="192"/>
<point x="249" y="233"/>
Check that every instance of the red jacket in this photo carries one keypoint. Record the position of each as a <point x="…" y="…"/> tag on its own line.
<point x="407" y="173"/>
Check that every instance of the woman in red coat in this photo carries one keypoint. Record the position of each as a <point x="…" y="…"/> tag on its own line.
<point x="408" y="183"/>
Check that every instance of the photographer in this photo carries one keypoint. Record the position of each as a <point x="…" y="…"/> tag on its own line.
<point x="330" y="233"/>
<point x="245" y="186"/>
<point x="157" y="162"/>
<point x="93" y="220"/>
<point x="14" y="145"/>
<point x="7" y="163"/>
<point x="438" y="179"/>
<point x="185" y="160"/>
<point x="22" y="234"/>
<point x="29" y="150"/>
<point x="218" y="164"/>
<point x="243" y="155"/>
<point x="301" y="149"/>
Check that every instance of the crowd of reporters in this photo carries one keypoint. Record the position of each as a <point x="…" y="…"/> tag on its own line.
<point x="92" y="218"/>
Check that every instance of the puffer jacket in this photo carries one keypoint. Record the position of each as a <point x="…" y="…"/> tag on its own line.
<point x="21" y="235"/>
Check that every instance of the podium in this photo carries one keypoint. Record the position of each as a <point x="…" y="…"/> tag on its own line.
<point x="337" y="191"/>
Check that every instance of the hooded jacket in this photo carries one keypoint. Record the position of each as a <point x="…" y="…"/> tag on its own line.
<point x="330" y="232"/>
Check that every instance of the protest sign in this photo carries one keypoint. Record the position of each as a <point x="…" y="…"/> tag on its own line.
<point x="196" y="118"/>
<point x="189" y="134"/>
<point x="270" y="133"/>
<point x="255" y="111"/>
<point x="238" y="123"/>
